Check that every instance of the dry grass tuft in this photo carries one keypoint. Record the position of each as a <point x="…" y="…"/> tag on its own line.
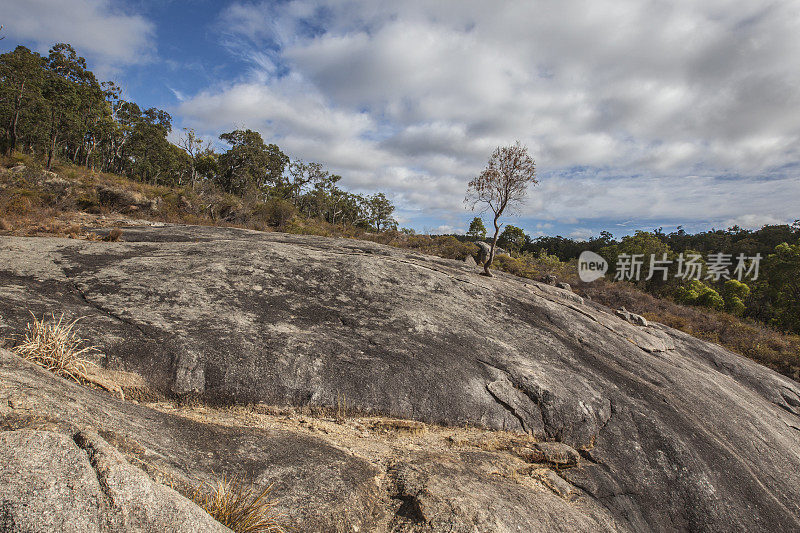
<point x="242" y="509"/>
<point x="113" y="235"/>
<point x="54" y="346"/>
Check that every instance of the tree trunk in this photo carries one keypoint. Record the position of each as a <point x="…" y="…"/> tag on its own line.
<point x="89" y="150"/>
<point x="488" y="262"/>
<point x="12" y="144"/>
<point x="50" y="151"/>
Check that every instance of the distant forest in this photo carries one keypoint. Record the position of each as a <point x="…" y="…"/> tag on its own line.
<point x="54" y="108"/>
<point x="773" y="298"/>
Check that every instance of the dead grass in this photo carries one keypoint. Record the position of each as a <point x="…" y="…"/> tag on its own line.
<point x="54" y="345"/>
<point x="242" y="509"/>
<point x="113" y="235"/>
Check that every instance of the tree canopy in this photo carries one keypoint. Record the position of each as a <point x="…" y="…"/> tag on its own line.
<point x="502" y="186"/>
<point x="54" y="108"/>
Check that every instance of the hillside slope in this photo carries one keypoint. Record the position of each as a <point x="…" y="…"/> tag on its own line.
<point x="672" y="432"/>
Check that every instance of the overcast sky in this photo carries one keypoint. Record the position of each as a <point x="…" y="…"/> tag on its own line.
<point x="639" y="113"/>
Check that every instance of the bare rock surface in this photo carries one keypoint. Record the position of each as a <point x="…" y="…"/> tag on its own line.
<point x="674" y="433"/>
<point x="50" y="481"/>
<point x="78" y="459"/>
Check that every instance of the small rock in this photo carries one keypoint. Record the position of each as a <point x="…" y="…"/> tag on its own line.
<point x="554" y="453"/>
<point x="549" y="279"/>
<point x="554" y="482"/>
<point x="633" y="318"/>
<point x="565" y="286"/>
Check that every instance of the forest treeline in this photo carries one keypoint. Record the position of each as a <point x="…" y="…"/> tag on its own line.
<point x="55" y="109"/>
<point x="772" y="298"/>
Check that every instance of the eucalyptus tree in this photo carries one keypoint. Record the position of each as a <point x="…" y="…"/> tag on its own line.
<point x="22" y="104"/>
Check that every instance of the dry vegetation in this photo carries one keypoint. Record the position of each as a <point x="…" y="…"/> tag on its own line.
<point x="54" y="346"/>
<point x="239" y="507"/>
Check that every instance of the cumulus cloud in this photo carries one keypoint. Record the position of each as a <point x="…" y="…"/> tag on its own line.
<point x="632" y="109"/>
<point x="96" y="28"/>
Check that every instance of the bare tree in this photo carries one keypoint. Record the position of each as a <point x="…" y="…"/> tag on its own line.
<point x="502" y="186"/>
<point x="193" y="146"/>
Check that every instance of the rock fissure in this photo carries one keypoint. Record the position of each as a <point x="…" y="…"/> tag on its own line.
<point x="84" y="444"/>
<point x="101" y="308"/>
<point x="510" y="409"/>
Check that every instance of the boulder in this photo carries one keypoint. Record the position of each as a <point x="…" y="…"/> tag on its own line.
<point x="483" y="253"/>
<point x="633" y="318"/>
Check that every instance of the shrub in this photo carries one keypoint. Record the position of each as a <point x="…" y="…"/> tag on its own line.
<point x="698" y="293"/>
<point x="734" y="292"/>
<point x="711" y="299"/>
<point x="54" y="346"/>
<point x="515" y="265"/>
<point x="275" y="212"/>
<point x="735" y="306"/>
<point x="548" y="263"/>
<point x="688" y="294"/>
<point x="244" y="510"/>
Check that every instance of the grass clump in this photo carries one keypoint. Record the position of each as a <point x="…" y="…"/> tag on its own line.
<point x="54" y="346"/>
<point x="242" y="509"/>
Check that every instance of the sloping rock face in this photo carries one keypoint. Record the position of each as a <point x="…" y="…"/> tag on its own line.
<point x="51" y="482"/>
<point x="674" y="433"/>
<point x="70" y="458"/>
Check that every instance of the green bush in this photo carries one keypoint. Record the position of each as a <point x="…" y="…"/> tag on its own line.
<point x="735" y="306"/>
<point x="698" y="293"/>
<point x="711" y="299"/>
<point x="734" y="292"/>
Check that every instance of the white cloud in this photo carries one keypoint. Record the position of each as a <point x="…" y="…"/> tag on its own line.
<point x="96" y="28"/>
<point x="581" y="234"/>
<point x="447" y="229"/>
<point x="679" y="110"/>
<point x="755" y="221"/>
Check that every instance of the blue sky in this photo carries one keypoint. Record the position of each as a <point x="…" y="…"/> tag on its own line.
<point x="640" y="114"/>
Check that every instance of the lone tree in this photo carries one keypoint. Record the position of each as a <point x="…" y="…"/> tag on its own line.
<point x="502" y="185"/>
